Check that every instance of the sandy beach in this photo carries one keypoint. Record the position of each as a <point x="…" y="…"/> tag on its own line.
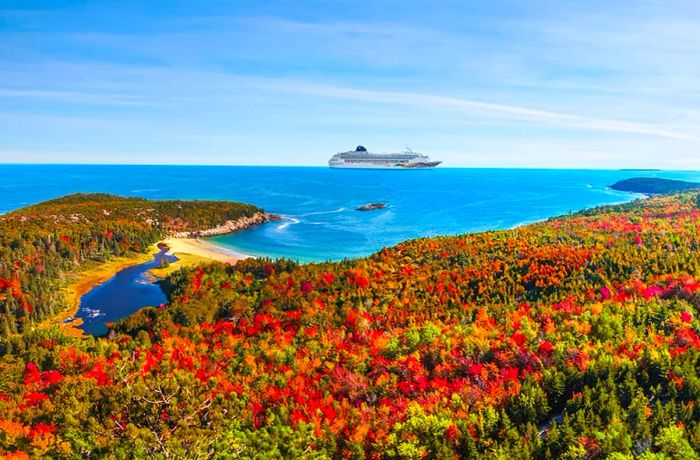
<point x="202" y="248"/>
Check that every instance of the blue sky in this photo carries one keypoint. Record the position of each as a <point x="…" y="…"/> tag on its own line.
<point x="521" y="83"/>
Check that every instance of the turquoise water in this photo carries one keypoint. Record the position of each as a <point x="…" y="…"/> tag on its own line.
<point x="319" y="203"/>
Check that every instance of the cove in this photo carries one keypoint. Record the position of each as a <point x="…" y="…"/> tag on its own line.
<point x="122" y="295"/>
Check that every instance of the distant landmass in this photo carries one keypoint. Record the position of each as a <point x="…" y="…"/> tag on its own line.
<point x="653" y="185"/>
<point x="640" y="169"/>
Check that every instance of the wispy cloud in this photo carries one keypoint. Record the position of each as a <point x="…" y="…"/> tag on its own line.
<point x="438" y="102"/>
<point x="204" y="86"/>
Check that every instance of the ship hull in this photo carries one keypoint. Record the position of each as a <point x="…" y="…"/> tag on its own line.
<point x="400" y="166"/>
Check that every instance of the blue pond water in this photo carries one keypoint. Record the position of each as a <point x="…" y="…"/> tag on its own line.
<point x="122" y="295"/>
<point x="318" y="204"/>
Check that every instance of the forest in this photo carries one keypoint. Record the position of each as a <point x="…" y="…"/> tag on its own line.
<point x="574" y="338"/>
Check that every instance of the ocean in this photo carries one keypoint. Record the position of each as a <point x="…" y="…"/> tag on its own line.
<point x="318" y="203"/>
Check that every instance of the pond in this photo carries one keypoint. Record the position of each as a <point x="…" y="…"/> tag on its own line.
<point x="122" y="295"/>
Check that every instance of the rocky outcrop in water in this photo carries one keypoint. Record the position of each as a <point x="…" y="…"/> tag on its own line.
<point x="371" y="207"/>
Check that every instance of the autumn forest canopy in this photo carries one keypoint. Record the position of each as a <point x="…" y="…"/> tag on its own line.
<point x="574" y="338"/>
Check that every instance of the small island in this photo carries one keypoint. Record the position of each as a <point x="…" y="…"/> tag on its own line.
<point x="653" y="185"/>
<point x="371" y="207"/>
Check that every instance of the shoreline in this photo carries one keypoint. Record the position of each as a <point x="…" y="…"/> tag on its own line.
<point x="634" y="197"/>
<point x="230" y="226"/>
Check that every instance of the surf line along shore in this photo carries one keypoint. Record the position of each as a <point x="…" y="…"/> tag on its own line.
<point x="187" y="247"/>
<point x="190" y="243"/>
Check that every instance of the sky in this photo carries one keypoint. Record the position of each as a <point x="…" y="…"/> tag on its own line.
<point x="504" y="83"/>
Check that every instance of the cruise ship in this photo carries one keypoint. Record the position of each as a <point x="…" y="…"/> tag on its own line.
<point x="360" y="158"/>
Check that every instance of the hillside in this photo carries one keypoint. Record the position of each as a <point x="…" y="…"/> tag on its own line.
<point x="653" y="185"/>
<point x="572" y="338"/>
<point x="42" y="245"/>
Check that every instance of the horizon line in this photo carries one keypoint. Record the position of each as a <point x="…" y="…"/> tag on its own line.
<point x="582" y="168"/>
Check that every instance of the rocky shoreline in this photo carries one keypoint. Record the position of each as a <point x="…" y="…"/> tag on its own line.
<point x="230" y="226"/>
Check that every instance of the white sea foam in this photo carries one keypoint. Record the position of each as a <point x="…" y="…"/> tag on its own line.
<point x="92" y="312"/>
<point x="324" y="212"/>
<point x="289" y="221"/>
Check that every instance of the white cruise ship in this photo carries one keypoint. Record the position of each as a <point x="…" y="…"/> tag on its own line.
<point x="360" y="158"/>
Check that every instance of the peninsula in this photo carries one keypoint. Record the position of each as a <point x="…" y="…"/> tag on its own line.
<point x="653" y="185"/>
<point x="56" y="251"/>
